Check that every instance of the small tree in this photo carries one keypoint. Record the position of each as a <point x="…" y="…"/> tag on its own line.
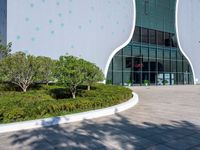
<point x="70" y="72"/>
<point x="93" y="74"/>
<point x="45" y="70"/>
<point x="5" y="50"/>
<point x="19" y="69"/>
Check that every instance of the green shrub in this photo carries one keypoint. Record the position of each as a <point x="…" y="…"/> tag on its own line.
<point x="14" y="114"/>
<point x="48" y="101"/>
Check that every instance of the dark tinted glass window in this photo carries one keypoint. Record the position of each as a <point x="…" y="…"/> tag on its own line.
<point x="145" y="64"/>
<point x="144" y="52"/>
<point x="173" y="55"/>
<point x="137" y="64"/>
<point x="145" y="35"/>
<point x="137" y="34"/>
<point x="152" y="53"/>
<point x="160" y="53"/>
<point x="160" y="66"/>
<point x="152" y="59"/>
<point x="160" y="38"/>
<point x="160" y="60"/>
<point x="167" y="65"/>
<point x="152" y="36"/>
<point x="173" y="40"/>
<point x="166" y="54"/>
<point x="185" y="67"/>
<point x="173" y="66"/>
<point x="179" y="56"/>
<point x="117" y="63"/>
<point x="179" y="66"/>
<point x="136" y="51"/>
<point x="167" y="39"/>
<point x="128" y="62"/>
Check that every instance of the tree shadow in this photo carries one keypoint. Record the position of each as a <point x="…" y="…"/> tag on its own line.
<point x="117" y="133"/>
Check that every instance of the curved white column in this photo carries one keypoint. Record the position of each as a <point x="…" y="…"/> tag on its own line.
<point x="188" y="33"/>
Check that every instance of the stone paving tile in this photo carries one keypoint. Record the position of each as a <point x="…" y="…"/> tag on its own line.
<point x="184" y="132"/>
<point x="159" y="147"/>
<point x="39" y="145"/>
<point x="8" y="146"/>
<point x="197" y="135"/>
<point x="195" y="148"/>
<point x="126" y="145"/>
<point x="184" y="144"/>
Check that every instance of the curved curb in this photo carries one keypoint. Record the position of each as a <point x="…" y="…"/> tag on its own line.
<point x="25" y="125"/>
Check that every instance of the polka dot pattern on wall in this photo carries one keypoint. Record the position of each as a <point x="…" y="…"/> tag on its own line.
<point x="70" y="12"/>
<point x="27" y="19"/>
<point x="32" y="39"/>
<point x="52" y="32"/>
<point x="31" y="5"/>
<point x="37" y="29"/>
<point x="54" y="27"/>
<point x="62" y="24"/>
<point x="18" y="37"/>
<point x="50" y="21"/>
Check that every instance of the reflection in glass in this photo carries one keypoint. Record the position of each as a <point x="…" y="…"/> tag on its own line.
<point x="152" y="36"/>
<point x="160" y="38"/>
<point x="153" y="53"/>
<point x="137" y="34"/>
<point x="145" y="35"/>
<point x="167" y="39"/>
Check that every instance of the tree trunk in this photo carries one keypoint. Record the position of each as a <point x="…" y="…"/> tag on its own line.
<point x="88" y="87"/>
<point x="24" y="90"/>
<point x="74" y="95"/>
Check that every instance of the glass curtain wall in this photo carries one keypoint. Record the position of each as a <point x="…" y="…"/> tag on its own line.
<point x="153" y="54"/>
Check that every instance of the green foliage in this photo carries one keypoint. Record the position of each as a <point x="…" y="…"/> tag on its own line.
<point x="165" y="82"/>
<point x="93" y="74"/>
<point x="19" y="69"/>
<point x="70" y="71"/>
<point x="23" y="70"/>
<point x="5" y="50"/>
<point x="46" y="68"/>
<point x="40" y="103"/>
<point x="108" y="81"/>
<point x="14" y="114"/>
<point x="146" y="82"/>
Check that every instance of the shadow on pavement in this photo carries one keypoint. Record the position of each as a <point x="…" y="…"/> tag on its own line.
<point x="117" y="133"/>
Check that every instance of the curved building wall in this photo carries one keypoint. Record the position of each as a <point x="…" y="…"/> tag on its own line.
<point x="91" y="29"/>
<point x="153" y="55"/>
<point x="188" y="31"/>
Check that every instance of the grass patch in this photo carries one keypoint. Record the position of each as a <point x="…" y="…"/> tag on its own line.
<point x="49" y="101"/>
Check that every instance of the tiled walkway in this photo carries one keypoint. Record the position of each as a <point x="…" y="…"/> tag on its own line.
<point x="166" y="118"/>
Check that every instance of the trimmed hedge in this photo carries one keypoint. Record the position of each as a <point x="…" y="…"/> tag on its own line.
<point x="49" y="101"/>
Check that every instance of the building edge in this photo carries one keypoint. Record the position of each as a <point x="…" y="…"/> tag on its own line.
<point x="124" y="44"/>
<point x="179" y="44"/>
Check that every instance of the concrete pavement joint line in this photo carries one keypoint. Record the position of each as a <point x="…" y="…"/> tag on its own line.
<point x="25" y="125"/>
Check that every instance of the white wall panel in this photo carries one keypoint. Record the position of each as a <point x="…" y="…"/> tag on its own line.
<point x="188" y="32"/>
<point x="91" y="29"/>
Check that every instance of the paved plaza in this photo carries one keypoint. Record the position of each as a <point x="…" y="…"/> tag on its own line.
<point x="166" y="118"/>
